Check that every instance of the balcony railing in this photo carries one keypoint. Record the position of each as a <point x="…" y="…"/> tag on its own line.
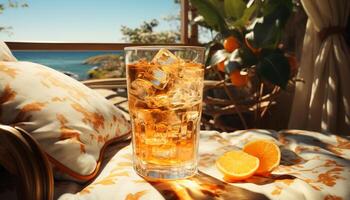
<point x="75" y="46"/>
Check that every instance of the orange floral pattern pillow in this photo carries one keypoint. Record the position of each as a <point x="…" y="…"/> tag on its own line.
<point x="71" y="122"/>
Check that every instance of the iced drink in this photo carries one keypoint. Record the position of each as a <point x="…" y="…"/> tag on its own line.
<point x="165" y="102"/>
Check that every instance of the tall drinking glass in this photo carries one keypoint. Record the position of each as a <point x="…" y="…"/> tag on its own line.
<point x="165" y="89"/>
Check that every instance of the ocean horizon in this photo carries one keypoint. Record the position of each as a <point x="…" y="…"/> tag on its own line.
<point x="64" y="61"/>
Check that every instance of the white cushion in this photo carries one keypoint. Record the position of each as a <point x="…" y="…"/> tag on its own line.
<point x="71" y="122"/>
<point x="5" y="53"/>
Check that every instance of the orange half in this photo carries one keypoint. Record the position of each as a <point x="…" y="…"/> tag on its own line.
<point x="267" y="152"/>
<point x="237" y="165"/>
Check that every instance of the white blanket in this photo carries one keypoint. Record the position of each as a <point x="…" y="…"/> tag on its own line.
<point x="313" y="166"/>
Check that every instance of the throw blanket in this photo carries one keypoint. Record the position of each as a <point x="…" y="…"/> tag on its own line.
<point x="313" y="166"/>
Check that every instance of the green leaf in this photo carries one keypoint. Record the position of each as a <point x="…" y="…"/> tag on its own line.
<point x="268" y="28"/>
<point x="201" y="22"/>
<point x="211" y="15"/>
<point x="267" y="33"/>
<point x="248" y="57"/>
<point x="219" y="5"/>
<point x="247" y="14"/>
<point x="278" y="10"/>
<point x="234" y="8"/>
<point x="270" y="6"/>
<point x="218" y="57"/>
<point x="274" y="67"/>
<point x="215" y="3"/>
<point x="251" y="40"/>
<point x="235" y="33"/>
<point x="208" y="49"/>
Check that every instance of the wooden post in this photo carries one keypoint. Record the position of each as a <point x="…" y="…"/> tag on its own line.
<point x="194" y="27"/>
<point x="184" y="22"/>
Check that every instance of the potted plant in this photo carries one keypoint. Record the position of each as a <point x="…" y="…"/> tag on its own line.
<point x="246" y="58"/>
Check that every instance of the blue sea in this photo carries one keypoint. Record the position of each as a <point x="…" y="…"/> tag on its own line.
<point x="64" y="61"/>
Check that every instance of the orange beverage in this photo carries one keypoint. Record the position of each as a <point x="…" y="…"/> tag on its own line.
<point x="165" y="87"/>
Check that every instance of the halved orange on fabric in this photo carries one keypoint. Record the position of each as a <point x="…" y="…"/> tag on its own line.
<point x="267" y="152"/>
<point x="237" y="165"/>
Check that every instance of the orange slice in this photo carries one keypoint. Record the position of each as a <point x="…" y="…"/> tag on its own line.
<point x="237" y="165"/>
<point x="267" y="152"/>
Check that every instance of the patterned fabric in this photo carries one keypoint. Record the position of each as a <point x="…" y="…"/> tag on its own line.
<point x="313" y="166"/>
<point x="71" y="122"/>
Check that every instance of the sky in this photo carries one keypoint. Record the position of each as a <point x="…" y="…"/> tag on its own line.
<point x="82" y="20"/>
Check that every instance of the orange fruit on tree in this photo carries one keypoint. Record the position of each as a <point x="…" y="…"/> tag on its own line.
<point x="231" y="44"/>
<point x="221" y="66"/>
<point x="238" y="79"/>
<point x="237" y="165"/>
<point x="267" y="152"/>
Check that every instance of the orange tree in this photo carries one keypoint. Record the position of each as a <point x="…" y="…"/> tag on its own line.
<point x="246" y="51"/>
<point x="251" y="33"/>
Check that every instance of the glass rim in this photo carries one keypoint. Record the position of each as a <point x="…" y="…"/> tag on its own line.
<point x="169" y="47"/>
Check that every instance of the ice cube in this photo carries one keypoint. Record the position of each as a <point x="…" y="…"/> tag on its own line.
<point x="191" y="73"/>
<point x="172" y="70"/>
<point x="157" y="101"/>
<point x="166" y="151"/>
<point x="169" y="62"/>
<point x="192" y="64"/>
<point x="177" y="97"/>
<point x="183" y="96"/>
<point x="157" y="77"/>
<point x="165" y="57"/>
<point x="156" y="141"/>
<point x="141" y="88"/>
<point x="142" y="63"/>
<point x="144" y="116"/>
